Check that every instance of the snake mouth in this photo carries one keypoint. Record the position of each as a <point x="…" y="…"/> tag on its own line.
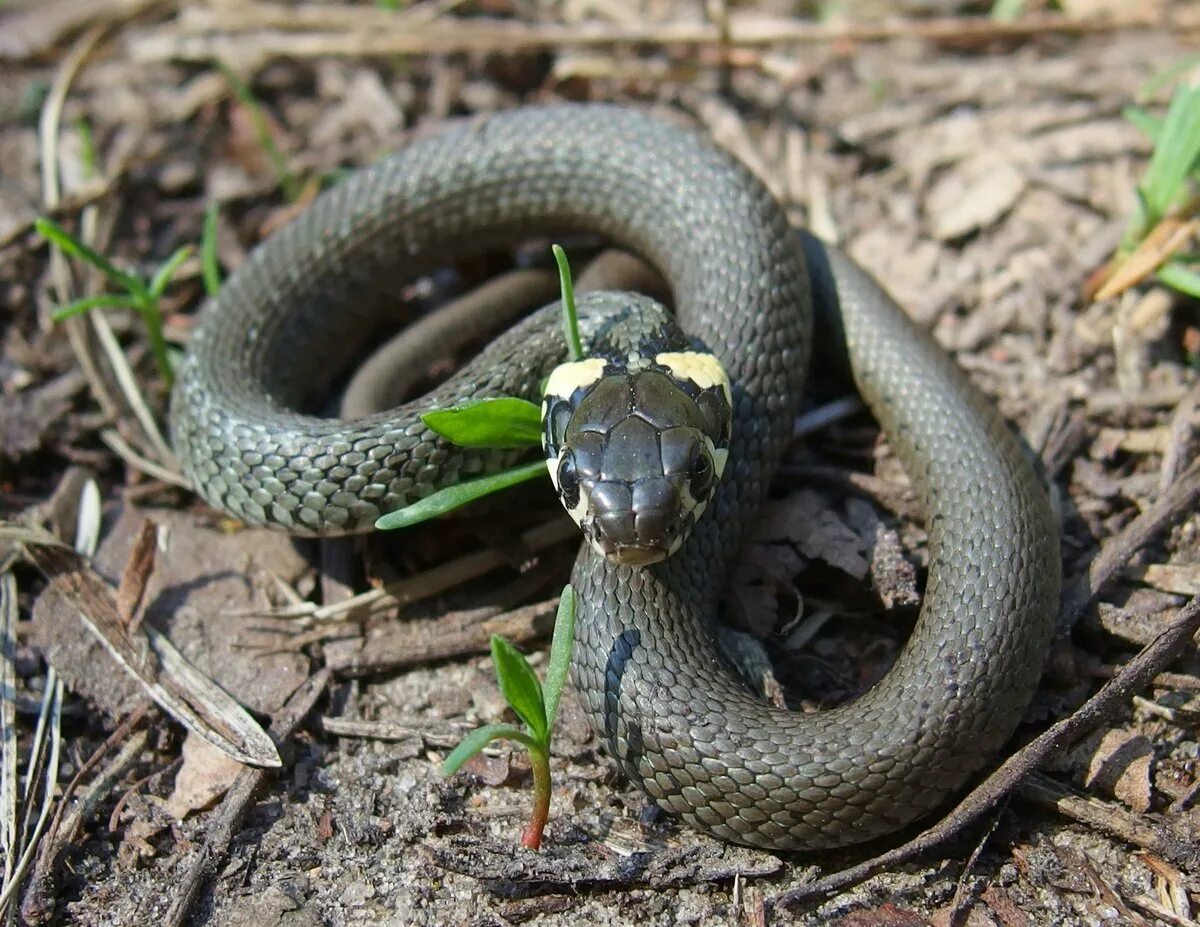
<point x="635" y="556"/>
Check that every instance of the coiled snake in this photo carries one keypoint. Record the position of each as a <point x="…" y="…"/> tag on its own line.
<point x="646" y="663"/>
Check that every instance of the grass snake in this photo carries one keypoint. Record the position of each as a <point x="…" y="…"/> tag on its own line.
<point x="654" y="683"/>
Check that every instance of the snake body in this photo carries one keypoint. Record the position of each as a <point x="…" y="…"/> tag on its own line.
<point x="647" y="665"/>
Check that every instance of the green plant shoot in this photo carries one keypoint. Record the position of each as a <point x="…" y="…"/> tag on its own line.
<point x="142" y="296"/>
<point x="501" y="422"/>
<point x="1176" y="157"/>
<point x="536" y="704"/>
<point x="1166" y="196"/>
<point x="570" y="316"/>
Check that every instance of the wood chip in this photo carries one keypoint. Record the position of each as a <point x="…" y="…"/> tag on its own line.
<point x="977" y="194"/>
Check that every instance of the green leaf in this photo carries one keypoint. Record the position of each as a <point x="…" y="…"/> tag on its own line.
<point x="88" y="303"/>
<point x="570" y="316"/>
<point x="1180" y="277"/>
<point x="1005" y="11"/>
<point x="52" y="231"/>
<point x="477" y="740"/>
<point x="1175" y="155"/>
<point x="1146" y="123"/>
<point x="210" y="270"/>
<point x="87" y="146"/>
<point x="502" y="422"/>
<point x="560" y="654"/>
<point x="520" y="686"/>
<point x="158" y="283"/>
<point x="447" y="500"/>
<point x="1167" y="75"/>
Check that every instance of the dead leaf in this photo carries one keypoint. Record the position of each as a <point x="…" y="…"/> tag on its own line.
<point x="325" y="827"/>
<point x="1006" y="910"/>
<point x="1121" y="766"/>
<point x="804" y="519"/>
<point x="134" y="578"/>
<point x="206" y="775"/>
<point x="184" y="692"/>
<point x="886" y="915"/>
<point x="894" y="578"/>
<point x="974" y="196"/>
<point x="1163" y="241"/>
<point x="763" y="577"/>
<point x="1178" y="578"/>
<point x="1169" y="884"/>
<point x="977" y="916"/>
<point x="490" y="770"/>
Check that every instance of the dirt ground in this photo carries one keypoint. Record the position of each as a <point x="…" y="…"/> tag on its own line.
<point x="982" y="172"/>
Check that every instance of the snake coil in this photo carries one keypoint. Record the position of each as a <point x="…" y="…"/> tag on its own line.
<point x="646" y="662"/>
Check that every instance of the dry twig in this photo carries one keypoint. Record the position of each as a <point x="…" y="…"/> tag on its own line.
<point x="1136" y="674"/>
<point x="223" y="825"/>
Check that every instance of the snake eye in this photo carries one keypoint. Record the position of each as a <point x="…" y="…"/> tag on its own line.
<point x="700" y="474"/>
<point x="568" y="482"/>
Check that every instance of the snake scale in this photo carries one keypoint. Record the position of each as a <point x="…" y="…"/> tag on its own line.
<point x="653" y="681"/>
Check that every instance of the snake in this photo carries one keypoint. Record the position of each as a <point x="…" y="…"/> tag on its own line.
<point x="746" y="287"/>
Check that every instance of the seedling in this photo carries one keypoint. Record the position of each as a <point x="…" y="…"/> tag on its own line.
<point x="509" y="422"/>
<point x="1165" y="218"/>
<point x="536" y="704"/>
<point x="142" y="296"/>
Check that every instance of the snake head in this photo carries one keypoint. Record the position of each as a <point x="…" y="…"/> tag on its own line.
<point x="635" y="447"/>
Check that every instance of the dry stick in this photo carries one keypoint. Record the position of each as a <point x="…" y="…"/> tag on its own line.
<point x="222" y="827"/>
<point x="1135" y="675"/>
<point x="431" y="582"/>
<point x="48" y="127"/>
<point x="9" y="753"/>
<point x="37" y="905"/>
<point x="76" y="328"/>
<point x="1164" y="841"/>
<point x="127" y="725"/>
<point x="1183" y="423"/>
<point x="419" y="642"/>
<point x="1182" y="497"/>
<point x="964" y="900"/>
<point x="465" y="35"/>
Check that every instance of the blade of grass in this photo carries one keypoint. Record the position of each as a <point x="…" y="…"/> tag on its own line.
<point x="1167" y="75"/>
<point x="1176" y="153"/>
<point x="69" y="244"/>
<point x="570" y="316"/>
<point x="262" y="129"/>
<point x="162" y="276"/>
<point x="1005" y="11"/>
<point x="1181" y="278"/>
<point x="87" y="146"/>
<point x="454" y="497"/>
<point x="1146" y="123"/>
<point x="87" y="303"/>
